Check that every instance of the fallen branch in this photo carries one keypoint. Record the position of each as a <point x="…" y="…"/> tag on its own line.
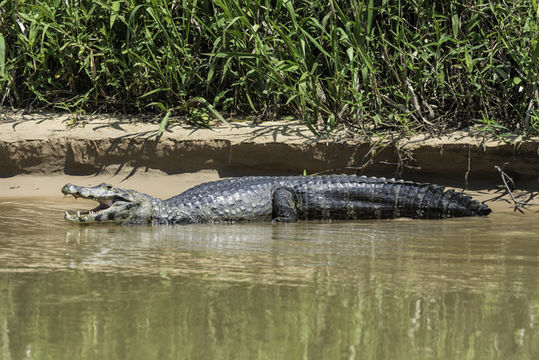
<point x="506" y="177"/>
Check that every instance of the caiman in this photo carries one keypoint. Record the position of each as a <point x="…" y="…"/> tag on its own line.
<point x="277" y="199"/>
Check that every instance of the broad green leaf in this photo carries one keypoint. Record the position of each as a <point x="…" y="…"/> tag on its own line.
<point x="365" y="74"/>
<point x="114" y="13"/>
<point x="455" y="24"/>
<point x="468" y="59"/>
<point x="350" y="52"/>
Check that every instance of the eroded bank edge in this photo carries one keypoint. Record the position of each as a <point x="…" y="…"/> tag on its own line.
<point x="453" y="161"/>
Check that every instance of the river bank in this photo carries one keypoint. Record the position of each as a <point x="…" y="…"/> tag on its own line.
<point x="40" y="152"/>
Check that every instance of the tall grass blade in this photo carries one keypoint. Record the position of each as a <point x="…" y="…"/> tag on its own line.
<point x="163" y="124"/>
<point x="2" y="55"/>
<point x="211" y="108"/>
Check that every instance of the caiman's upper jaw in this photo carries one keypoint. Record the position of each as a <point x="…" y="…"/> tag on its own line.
<point x="111" y="205"/>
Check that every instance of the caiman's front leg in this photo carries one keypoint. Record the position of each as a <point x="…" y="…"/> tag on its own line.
<point x="284" y="206"/>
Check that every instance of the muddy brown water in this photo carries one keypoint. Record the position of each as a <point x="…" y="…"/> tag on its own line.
<point x="404" y="289"/>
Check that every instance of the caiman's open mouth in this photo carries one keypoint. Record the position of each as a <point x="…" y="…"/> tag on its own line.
<point x="98" y="210"/>
<point x="109" y="208"/>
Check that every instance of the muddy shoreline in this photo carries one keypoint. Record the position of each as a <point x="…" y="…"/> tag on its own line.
<point x="40" y="152"/>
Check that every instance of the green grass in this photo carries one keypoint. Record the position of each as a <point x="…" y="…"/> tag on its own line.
<point x="374" y="65"/>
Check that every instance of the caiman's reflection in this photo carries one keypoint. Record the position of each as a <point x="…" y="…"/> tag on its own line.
<point x="425" y="254"/>
<point x="244" y="252"/>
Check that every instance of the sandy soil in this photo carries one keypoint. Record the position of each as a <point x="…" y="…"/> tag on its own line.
<point x="43" y="143"/>
<point x="152" y="182"/>
<point x="39" y="153"/>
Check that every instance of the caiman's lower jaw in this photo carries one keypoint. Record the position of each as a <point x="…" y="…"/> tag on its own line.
<point x="103" y="212"/>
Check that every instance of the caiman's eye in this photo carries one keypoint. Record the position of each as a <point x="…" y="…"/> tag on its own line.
<point x="108" y="187"/>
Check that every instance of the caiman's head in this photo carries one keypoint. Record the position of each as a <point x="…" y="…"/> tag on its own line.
<point x="115" y="205"/>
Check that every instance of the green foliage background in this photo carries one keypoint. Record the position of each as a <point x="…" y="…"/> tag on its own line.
<point x="374" y="65"/>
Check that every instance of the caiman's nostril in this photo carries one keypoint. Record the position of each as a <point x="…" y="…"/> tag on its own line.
<point x="67" y="189"/>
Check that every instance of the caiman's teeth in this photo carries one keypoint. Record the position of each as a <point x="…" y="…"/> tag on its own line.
<point x="78" y="213"/>
<point x="66" y="214"/>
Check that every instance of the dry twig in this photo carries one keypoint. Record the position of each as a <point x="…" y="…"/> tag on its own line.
<point x="506" y="177"/>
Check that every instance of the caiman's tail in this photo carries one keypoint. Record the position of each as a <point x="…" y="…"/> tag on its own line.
<point x="462" y="205"/>
<point x="380" y="198"/>
<point x="420" y="200"/>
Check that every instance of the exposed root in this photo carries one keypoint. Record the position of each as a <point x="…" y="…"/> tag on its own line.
<point x="399" y="166"/>
<point x="469" y="167"/>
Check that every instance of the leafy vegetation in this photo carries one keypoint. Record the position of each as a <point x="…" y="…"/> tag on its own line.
<point x="373" y="65"/>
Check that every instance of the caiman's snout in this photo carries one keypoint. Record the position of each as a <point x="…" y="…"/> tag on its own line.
<point x="69" y="189"/>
